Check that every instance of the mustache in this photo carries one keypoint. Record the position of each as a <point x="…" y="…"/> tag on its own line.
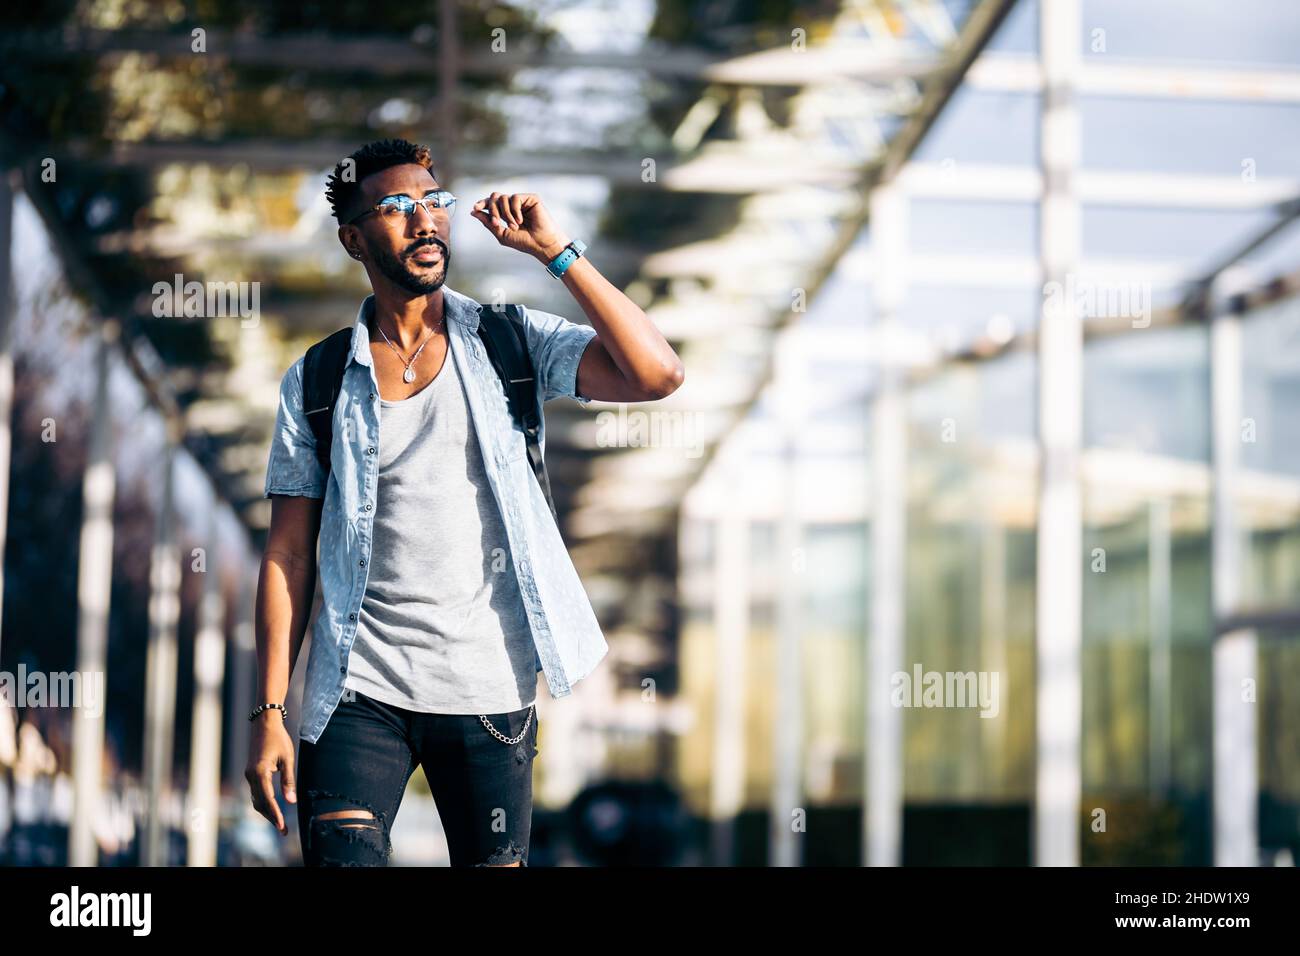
<point x="427" y="242"/>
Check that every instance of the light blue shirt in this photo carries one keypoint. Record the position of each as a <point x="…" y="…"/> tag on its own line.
<point x="565" y="631"/>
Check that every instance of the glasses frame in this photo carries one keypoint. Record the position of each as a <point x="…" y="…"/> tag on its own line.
<point x="443" y="200"/>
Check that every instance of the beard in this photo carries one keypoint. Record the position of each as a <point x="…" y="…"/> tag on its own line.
<point x="398" y="270"/>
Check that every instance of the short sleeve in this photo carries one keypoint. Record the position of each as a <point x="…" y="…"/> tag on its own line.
<point x="556" y="346"/>
<point x="292" y="468"/>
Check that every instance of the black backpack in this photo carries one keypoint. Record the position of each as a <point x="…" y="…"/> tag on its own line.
<point x="507" y="347"/>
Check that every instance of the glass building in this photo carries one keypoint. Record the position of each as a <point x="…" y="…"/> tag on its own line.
<point x="1108" y="271"/>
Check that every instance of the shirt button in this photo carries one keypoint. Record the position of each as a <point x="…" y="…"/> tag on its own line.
<point x="368" y="506"/>
<point x="363" y="562"/>
<point x="343" y="670"/>
<point x="370" y="450"/>
<point x="372" y="396"/>
<point x="352" y="617"/>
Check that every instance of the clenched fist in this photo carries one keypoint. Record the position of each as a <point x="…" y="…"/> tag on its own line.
<point x="520" y="222"/>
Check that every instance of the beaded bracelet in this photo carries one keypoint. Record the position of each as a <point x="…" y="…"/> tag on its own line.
<point x="261" y="707"/>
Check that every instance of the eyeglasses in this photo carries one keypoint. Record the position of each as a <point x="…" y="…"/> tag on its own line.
<point x="398" y="209"/>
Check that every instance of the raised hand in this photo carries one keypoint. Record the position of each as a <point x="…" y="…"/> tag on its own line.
<point x="519" y="221"/>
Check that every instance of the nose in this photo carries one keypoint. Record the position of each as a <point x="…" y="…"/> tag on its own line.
<point x="423" y="223"/>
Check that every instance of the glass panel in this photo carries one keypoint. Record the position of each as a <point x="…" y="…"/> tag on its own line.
<point x="1147" y="391"/>
<point x="1254" y="32"/>
<point x="834" y="585"/>
<point x="961" y="228"/>
<point x="970" y="544"/>
<point x="1269" y="490"/>
<point x="1170" y="136"/>
<point x="980" y="126"/>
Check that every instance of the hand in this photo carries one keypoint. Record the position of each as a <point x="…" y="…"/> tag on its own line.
<point x="271" y="749"/>
<point x="520" y="222"/>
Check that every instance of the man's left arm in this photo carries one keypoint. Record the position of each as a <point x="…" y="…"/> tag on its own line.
<point x="628" y="359"/>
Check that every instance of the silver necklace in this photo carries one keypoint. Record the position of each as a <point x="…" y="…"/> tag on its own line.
<point x="409" y="374"/>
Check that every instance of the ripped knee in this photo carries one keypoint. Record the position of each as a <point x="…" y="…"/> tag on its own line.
<point x="510" y="855"/>
<point x="354" y="835"/>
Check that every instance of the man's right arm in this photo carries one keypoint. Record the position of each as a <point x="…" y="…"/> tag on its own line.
<point x="286" y="586"/>
<point x="295" y="483"/>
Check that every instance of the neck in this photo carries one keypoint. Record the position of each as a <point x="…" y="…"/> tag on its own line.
<point x="408" y="320"/>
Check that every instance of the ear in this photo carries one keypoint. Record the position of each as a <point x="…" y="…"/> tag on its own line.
<point x="347" y="239"/>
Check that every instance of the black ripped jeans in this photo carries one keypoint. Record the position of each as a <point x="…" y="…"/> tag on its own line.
<point x="482" y="786"/>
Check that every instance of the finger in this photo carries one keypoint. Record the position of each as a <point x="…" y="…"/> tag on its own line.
<point x="517" y="207"/>
<point x="512" y="210"/>
<point x="486" y="218"/>
<point x="502" y="210"/>
<point x="287" y="779"/>
<point x="259" y="799"/>
<point x="268" y="796"/>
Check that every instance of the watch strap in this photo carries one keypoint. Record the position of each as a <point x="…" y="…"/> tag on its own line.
<point x="570" y="254"/>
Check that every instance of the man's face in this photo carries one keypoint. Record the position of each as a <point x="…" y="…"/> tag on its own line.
<point x="411" y="252"/>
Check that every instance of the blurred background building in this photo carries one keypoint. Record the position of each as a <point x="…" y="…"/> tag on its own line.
<point x="991" y="317"/>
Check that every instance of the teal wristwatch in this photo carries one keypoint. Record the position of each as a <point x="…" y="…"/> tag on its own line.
<point x="566" y="258"/>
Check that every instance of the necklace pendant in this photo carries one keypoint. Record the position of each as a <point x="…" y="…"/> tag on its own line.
<point x="408" y="375"/>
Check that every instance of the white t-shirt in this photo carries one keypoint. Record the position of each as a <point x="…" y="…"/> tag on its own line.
<point x="442" y="627"/>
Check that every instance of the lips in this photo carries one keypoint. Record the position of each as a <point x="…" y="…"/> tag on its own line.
<point x="429" y="254"/>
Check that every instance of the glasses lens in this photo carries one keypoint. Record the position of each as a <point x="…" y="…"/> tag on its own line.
<point x="393" y="207"/>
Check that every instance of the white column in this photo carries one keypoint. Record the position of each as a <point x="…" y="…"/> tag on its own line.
<point x="160" y="669"/>
<point x="731" y="595"/>
<point x="1236" y="771"/>
<point x="1060" y="418"/>
<point x="785" y="844"/>
<point x="94" y="587"/>
<point x="882" y="821"/>
<point x="203" y="820"/>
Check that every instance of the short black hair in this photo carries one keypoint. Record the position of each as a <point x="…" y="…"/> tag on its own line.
<point x="369" y="159"/>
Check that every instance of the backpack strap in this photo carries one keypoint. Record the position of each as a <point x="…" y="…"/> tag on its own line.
<point x="322" y="376"/>
<point x="504" y="336"/>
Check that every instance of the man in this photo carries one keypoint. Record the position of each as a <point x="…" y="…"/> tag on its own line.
<point x="445" y="583"/>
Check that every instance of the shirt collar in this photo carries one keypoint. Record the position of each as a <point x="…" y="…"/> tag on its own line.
<point x="456" y="307"/>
